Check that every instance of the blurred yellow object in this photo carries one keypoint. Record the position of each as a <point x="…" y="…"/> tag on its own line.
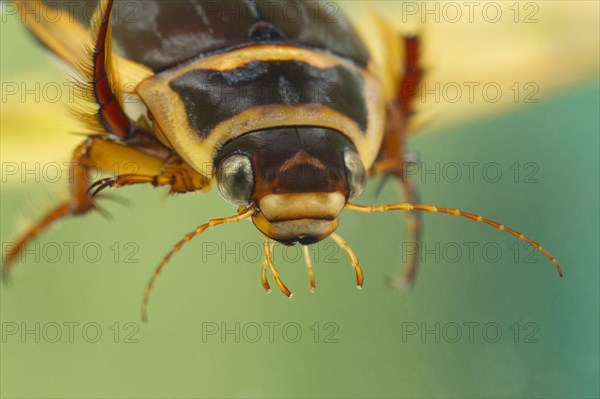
<point x="487" y="57"/>
<point x="33" y="129"/>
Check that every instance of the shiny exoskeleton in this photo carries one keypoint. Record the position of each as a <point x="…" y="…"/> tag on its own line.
<point x="288" y="112"/>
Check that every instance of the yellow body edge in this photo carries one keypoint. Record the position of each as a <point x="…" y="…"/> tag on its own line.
<point x="70" y="41"/>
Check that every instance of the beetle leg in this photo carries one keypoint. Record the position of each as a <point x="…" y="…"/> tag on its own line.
<point x="143" y="140"/>
<point x="95" y="153"/>
<point x="174" y="173"/>
<point x="127" y="180"/>
<point x="415" y="232"/>
<point x="398" y="112"/>
<point x="413" y="73"/>
<point x="392" y="158"/>
<point x="414" y="224"/>
<point x="110" y="112"/>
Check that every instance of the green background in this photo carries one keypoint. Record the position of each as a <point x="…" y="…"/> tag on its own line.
<point x="368" y="356"/>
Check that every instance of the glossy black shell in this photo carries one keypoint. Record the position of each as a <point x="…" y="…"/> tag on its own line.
<point x="164" y="33"/>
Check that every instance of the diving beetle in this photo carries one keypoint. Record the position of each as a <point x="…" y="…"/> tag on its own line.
<point x="322" y="108"/>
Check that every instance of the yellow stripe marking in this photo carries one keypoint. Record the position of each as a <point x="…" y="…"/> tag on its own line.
<point x="170" y="114"/>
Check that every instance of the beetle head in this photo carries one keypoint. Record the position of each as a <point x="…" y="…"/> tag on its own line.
<point x="299" y="178"/>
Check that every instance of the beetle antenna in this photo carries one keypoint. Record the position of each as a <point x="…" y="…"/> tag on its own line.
<point x="454" y="212"/>
<point x="274" y="271"/>
<point x="311" y="275"/>
<point x="244" y="213"/>
<point x="353" y="259"/>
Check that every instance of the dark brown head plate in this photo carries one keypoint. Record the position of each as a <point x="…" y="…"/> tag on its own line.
<point x="299" y="177"/>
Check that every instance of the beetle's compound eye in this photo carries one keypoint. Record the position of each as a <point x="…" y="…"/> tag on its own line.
<point x="355" y="171"/>
<point x="235" y="179"/>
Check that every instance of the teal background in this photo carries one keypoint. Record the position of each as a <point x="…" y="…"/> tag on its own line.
<point x="372" y="357"/>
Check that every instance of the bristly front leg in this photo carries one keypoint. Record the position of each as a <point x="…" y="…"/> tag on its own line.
<point x="98" y="153"/>
<point x="79" y="203"/>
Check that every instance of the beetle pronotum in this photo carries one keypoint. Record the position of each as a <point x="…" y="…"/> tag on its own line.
<point x="330" y="111"/>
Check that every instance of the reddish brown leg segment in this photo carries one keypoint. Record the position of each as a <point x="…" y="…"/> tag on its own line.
<point x="110" y="112"/>
<point x="79" y="203"/>
<point x="391" y="160"/>
<point x="100" y="154"/>
<point x="413" y="73"/>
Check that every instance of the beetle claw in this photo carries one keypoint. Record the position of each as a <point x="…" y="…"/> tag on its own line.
<point x="101" y="185"/>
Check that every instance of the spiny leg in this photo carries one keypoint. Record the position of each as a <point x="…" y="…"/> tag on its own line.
<point x="399" y="111"/>
<point x="99" y="85"/>
<point x="413" y="73"/>
<point x="128" y="180"/>
<point x="409" y="89"/>
<point x="392" y="159"/>
<point x="453" y="212"/>
<point x="94" y="153"/>
<point x="244" y="213"/>
<point x="109" y="118"/>
<point x="353" y="259"/>
<point x="311" y="275"/>
<point x="173" y="172"/>
<point x="14" y="249"/>
<point x="414" y="228"/>
<point x="274" y="272"/>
